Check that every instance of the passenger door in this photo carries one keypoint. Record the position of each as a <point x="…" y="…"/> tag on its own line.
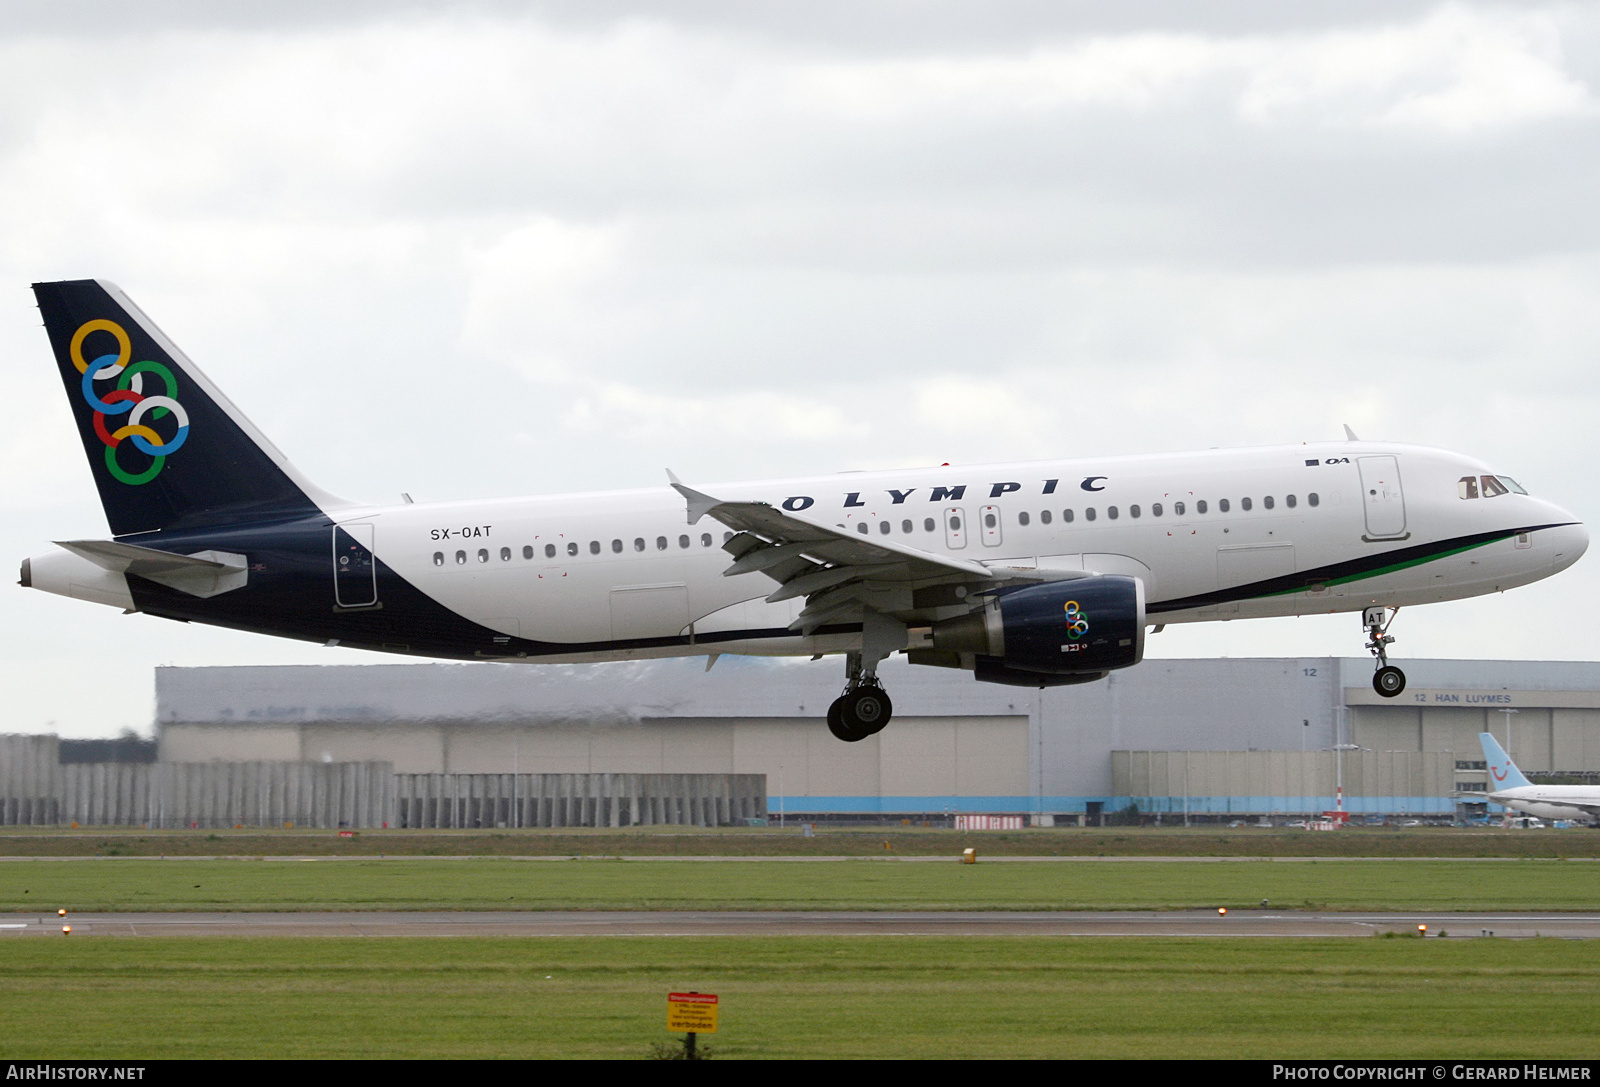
<point x="1381" y="497"/>
<point x="355" y="571"/>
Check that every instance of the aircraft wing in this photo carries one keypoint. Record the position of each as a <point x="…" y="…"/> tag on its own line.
<point x="837" y="571"/>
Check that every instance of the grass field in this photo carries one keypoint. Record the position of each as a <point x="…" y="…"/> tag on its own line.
<point x="500" y="884"/>
<point x="803" y="997"/>
<point x="918" y="997"/>
<point x="1210" y="841"/>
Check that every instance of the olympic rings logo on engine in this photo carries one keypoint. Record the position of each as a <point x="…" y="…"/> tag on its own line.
<point x="129" y="399"/>
<point x="1077" y="623"/>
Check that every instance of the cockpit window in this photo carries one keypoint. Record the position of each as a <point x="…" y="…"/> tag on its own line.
<point x="1491" y="486"/>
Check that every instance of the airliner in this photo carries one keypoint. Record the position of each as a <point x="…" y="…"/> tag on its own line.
<point x="1508" y="787"/>
<point x="1033" y="574"/>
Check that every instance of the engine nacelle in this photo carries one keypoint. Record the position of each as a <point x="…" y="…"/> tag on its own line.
<point x="990" y="670"/>
<point x="1083" y="627"/>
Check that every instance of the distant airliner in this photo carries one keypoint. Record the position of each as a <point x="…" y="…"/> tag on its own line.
<point x="1034" y="574"/>
<point x="1508" y="787"/>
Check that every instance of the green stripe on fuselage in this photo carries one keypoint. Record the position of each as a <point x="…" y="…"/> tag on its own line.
<point x="1389" y="569"/>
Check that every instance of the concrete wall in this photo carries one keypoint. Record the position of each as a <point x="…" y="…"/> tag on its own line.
<point x="30" y="780"/>
<point x="954" y="744"/>
<point x="578" y="800"/>
<point x="34" y="791"/>
<point x="1541" y="738"/>
<point x="920" y="764"/>
<point x="225" y="794"/>
<point x="1282" y="782"/>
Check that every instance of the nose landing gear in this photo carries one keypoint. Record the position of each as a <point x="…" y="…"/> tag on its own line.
<point x="1387" y="680"/>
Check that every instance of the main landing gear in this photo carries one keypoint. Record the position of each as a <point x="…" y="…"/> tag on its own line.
<point x="1388" y="680"/>
<point x="864" y="707"/>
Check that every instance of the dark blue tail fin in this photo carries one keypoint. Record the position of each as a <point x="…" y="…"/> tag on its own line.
<point x="168" y="451"/>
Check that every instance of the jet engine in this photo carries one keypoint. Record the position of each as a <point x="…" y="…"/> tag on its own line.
<point x="1053" y="633"/>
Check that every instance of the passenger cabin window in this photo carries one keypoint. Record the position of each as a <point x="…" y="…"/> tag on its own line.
<point x="461" y="557"/>
<point x="861" y="527"/>
<point x="906" y="527"/>
<point x="883" y="528"/>
<point x="1244" y="504"/>
<point x="1177" y="509"/>
<point x="1155" y="509"/>
<point x="638" y="543"/>
<point x="1066" y="517"/>
<point x="438" y="558"/>
<point x="527" y="552"/>
<point x="505" y="554"/>
<point x="1200" y="506"/>
<point x="1133" y="511"/>
<point x="572" y="548"/>
<point x="661" y="543"/>
<point x="549" y="551"/>
<point x="1289" y="500"/>
<point x="483" y="554"/>
<point x="1022" y="518"/>
<point x="1044" y="517"/>
<point x="1111" y="512"/>
<point x="1267" y="501"/>
<point x="594" y="547"/>
<point x="928" y="524"/>
<point x="1088" y="514"/>
<point x="1312" y="499"/>
<point x="1222" y="505"/>
<point x="705" y="539"/>
<point x="683" y="541"/>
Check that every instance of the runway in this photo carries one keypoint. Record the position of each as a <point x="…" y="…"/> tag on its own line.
<point x="1239" y="923"/>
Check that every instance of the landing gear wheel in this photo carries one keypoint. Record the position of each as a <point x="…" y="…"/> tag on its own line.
<point x="1388" y="681"/>
<point x="836" y="724"/>
<point x="865" y="709"/>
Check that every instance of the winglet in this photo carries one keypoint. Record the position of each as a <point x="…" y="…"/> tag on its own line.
<point x="699" y="504"/>
<point x="1350" y="435"/>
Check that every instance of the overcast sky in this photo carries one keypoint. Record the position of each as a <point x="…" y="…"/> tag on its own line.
<point x="484" y="249"/>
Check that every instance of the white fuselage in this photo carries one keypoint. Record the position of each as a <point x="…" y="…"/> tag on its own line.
<point x="589" y="569"/>
<point x="1552" y="801"/>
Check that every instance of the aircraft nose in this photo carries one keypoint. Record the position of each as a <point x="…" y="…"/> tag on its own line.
<point x="1571" y="541"/>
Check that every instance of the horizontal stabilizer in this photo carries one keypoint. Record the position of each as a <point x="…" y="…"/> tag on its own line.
<point x="207" y="573"/>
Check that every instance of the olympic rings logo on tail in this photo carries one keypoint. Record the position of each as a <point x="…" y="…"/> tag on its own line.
<point x="1077" y="623"/>
<point x="128" y="398"/>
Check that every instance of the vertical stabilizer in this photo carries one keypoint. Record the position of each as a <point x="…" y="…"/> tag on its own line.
<point x="167" y="449"/>
<point x="1503" y="773"/>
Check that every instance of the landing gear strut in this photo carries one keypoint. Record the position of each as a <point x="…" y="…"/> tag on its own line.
<point x="864" y="707"/>
<point x="1388" y="680"/>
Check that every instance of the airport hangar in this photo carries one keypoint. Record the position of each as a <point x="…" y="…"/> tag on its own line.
<point x="1216" y="738"/>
